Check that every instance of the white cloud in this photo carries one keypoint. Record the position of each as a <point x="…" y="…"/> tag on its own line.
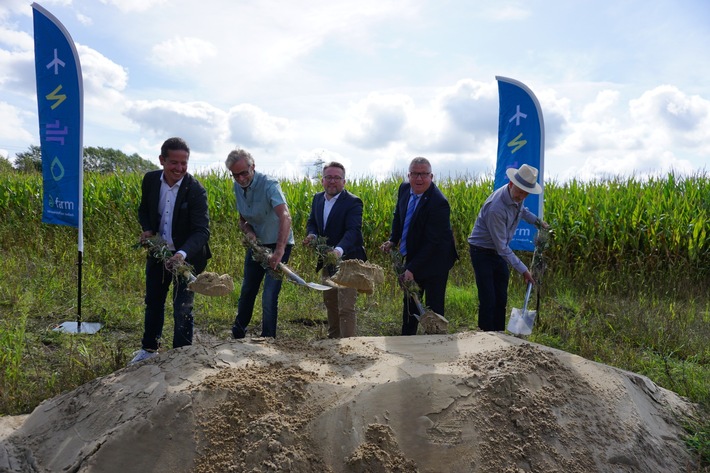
<point x="460" y="120"/>
<point x="682" y="120"/>
<point x="378" y="120"/>
<point x="104" y="80"/>
<point x="182" y="51"/>
<point x="84" y="20"/>
<point x="9" y="7"/>
<point x="18" y="41"/>
<point x="11" y="125"/>
<point x="17" y="61"/>
<point x="127" y="6"/>
<point x="199" y="123"/>
<point x="249" y="126"/>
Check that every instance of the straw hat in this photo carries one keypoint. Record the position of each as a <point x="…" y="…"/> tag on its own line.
<point x="525" y="178"/>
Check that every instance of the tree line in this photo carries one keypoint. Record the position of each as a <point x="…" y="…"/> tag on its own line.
<point x="96" y="159"/>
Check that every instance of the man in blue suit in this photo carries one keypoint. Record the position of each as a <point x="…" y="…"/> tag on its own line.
<point x="174" y="206"/>
<point x="422" y="227"/>
<point x="337" y="215"/>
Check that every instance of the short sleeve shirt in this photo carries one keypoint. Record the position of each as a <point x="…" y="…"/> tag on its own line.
<point x="257" y="207"/>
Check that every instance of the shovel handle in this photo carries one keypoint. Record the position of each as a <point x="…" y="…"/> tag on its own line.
<point x="419" y="305"/>
<point x="293" y="276"/>
<point x="527" y="297"/>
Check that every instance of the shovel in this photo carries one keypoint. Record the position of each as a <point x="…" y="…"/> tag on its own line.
<point x="261" y="255"/>
<point x="299" y="280"/>
<point x="521" y="321"/>
<point x="431" y="322"/>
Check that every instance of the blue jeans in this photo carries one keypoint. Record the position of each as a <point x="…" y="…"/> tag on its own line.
<point x="492" y="274"/>
<point x="157" y="284"/>
<point x="254" y="273"/>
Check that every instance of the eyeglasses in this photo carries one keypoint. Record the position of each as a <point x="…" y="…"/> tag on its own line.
<point x="237" y="175"/>
<point x="333" y="178"/>
<point x="417" y="175"/>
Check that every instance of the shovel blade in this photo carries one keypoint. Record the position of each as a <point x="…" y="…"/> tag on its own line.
<point x="299" y="280"/>
<point x="318" y="287"/>
<point x="521" y="321"/>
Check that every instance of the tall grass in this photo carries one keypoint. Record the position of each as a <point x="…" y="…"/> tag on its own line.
<point x="626" y="283"/>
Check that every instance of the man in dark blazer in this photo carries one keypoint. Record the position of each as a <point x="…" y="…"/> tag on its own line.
<point x="173" y="206"/>
<point x="422" y="227"/>
<point x="336" y="214"/>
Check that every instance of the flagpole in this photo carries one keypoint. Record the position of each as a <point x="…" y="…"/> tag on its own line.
<point x="80" y="242"/>
<point x="60" y="104"/>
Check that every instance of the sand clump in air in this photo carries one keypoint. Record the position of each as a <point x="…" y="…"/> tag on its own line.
<point x="468" y="402"/>
<point x="359" y="275"/>
<point x="212" y="284"/>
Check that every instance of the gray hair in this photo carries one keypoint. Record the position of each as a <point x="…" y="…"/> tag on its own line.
<point x="420" y="160"/>
<point x="237" y="155"/>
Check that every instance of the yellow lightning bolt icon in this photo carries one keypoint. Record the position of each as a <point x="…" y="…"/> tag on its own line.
<point x="53" y="96"/>
<point x="517" y="142"/>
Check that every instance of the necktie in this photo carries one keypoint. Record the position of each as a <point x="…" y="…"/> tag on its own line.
<point x="407" y="219"/>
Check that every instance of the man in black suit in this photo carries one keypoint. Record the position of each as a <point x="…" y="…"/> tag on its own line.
<point x="337" y="215"/>
<point x="422" y="227"/>
<point x="174" y="206"/>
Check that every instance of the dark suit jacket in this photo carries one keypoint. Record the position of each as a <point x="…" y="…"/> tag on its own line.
<point x="431" y="250"/>
<point x="344" y="227"/>
<point x="191" y="222"/>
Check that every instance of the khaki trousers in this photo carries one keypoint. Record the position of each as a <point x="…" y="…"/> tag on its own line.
<point x="340" y="305"/>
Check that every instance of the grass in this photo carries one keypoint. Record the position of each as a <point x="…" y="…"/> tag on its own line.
<point x="626" y="282"/>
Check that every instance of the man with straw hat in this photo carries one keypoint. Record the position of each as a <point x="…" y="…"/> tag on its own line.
<point x="489" y="244"/>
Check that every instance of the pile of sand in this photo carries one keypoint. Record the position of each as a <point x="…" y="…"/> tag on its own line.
<point x="481" y="402"/>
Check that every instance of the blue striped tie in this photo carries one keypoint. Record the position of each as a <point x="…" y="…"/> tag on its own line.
<point x="408" y="218"/>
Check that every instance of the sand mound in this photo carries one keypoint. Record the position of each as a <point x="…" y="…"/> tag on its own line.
<point x="478" y="402"/>
<point x="212" y="284"/>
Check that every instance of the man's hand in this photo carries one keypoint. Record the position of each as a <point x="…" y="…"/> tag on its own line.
<point x="386" y="247"/>
<point x="275" y="258"/>
<point x="307" y="241"/>
<point x="146" y="235"/>
<point x="175" y="261"/>
<point x="528" y="278"/>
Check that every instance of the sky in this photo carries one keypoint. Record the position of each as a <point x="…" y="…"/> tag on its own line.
<point x="623" y="85"/>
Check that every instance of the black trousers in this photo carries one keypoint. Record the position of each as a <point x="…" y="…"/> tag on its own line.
<point x="157" y="283"/>
<point x="432" y="295"/>
<point x="492" y="275"/>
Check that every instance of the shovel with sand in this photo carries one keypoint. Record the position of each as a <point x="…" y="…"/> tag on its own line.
<point x="431" y="322"/>
<point x="521" y="321"/>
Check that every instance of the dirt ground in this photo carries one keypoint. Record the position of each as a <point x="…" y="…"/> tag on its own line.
<point x="469" y="402"/>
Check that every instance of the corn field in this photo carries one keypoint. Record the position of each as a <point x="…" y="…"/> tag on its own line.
<point x="638" y="227"/>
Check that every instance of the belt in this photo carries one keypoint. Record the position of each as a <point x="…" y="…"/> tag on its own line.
<point x="480" y="249"/>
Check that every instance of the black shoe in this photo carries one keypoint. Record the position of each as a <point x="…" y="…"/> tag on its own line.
<point x="237" y="332"/>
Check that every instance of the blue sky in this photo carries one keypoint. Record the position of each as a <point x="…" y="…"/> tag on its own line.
<point x="623" y="84"/>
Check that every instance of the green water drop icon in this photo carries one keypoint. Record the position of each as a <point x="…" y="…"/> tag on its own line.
<point x="57" y="169"/>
